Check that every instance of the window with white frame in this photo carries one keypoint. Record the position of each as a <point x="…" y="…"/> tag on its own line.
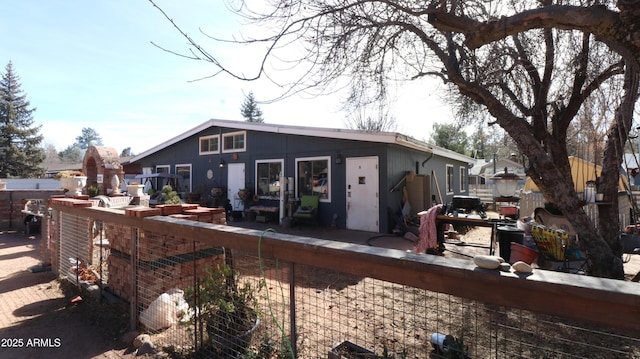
<point x="184" y="171"/>
<point x="313" y="177"/>
<point x="463" y="178"/>
<point x="209" y="144"/>
<point x="158" y="183"/>
<point x="268" y="177"/>
<point x="449" y="179"/>
<point x="234" y="141"/>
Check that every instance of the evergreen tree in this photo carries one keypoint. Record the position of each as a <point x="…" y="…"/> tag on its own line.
<point x="89" y="137"/>
<point x="126" y="152"/>
<point x="71" y="154"/>
<point x="19" y="138"/>
<point x="250" y="110"/>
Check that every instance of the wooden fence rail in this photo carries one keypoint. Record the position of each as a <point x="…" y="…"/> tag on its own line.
<point x="602" y="302"/>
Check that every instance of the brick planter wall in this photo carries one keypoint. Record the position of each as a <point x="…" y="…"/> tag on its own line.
<point x="12" y="203"/>
<point x="163" y="262"/>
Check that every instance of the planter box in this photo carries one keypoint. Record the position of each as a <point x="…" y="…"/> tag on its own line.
<point x="168" y="209"/>
<point x="348" y="350"/>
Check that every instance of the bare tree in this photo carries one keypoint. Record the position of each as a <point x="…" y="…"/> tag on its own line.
<point x="531" y="65"/>
<point x="371" y="118"/>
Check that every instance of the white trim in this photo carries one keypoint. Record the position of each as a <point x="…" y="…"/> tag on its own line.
<point x="201" y="138"/>
<point x="463" y="175"/>
<point x="329" y="184"/>
<point x="168" y="167"/>
<point x="275" y="160"/>
<point x="234" y="134"/>
<point x="354" y="135"/>
<point x="447" y="189"/>
<point x="175" y="168"/>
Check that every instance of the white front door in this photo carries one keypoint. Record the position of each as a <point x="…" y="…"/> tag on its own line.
<point x="235" y="182"/>
<point x="363" y="200"/>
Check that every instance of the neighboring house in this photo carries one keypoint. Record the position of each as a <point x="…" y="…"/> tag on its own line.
<point x="359" y="176"/>
<point x="631" y="167"/>
<point x="484" y="169"/>
<point x="55" y="168"/>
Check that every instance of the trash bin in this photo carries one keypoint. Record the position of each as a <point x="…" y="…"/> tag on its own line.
<point x="506" y="236"/>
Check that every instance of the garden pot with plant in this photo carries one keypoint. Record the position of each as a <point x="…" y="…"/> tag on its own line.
<point x="225" y="309"/>
<point x="72" y="181"/>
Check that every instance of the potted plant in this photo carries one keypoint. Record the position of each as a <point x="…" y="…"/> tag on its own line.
<point x="135" y="189"/>
<point x="93" y="190"/>
<point x="244" y="193"/>
<point x="225" y="309"/>
<point x="169" y="196"/>
<point x="72" y="181"/>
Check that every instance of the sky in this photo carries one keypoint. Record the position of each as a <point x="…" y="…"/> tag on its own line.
<point x="91" y="63"/>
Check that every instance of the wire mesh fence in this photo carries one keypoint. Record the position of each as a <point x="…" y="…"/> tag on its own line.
<point x="330" y="310"/>
<point x="187" y="291"/>
<point x="76" y="253"/>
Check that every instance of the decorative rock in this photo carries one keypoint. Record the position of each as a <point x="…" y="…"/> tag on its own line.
<point x="505" y="267"/>
<point x="522" y="267"/>
<point x="487" y="262"/>
<point x="140" y="340"/>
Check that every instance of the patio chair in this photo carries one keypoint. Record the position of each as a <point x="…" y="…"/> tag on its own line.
<point x="544" y="217"/>
<point x="308" y="209"/>
<point x="558" y="250"/>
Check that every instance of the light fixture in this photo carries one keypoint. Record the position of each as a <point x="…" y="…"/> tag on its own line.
<point x="222" y="163"/>
<point x="339" y="158"/>
<point x="506" y="183"/>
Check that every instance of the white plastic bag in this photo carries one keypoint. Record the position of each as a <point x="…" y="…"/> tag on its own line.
<point x="160" y="314"/>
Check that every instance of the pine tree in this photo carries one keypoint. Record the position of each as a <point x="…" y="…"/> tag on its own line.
<point x="250" y="110"/>
<point x="89" y="137"/>
<point x="19" y="139"/>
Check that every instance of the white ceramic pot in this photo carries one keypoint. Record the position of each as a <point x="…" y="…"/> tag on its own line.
<point x="73" y="185"/>
<point x="135" y="190"/>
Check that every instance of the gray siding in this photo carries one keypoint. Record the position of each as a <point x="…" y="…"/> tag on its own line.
<point x="394" y="162"/>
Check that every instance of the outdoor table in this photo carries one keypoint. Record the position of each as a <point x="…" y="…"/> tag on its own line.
<point x="468" y="220"/>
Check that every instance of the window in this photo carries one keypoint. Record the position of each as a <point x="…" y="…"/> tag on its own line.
<point x="158" y="183"/>
<point x="233" y="141"/>
<point x="449" y="179"/>
<point x="463" y="179"/>
<point x="209" y="144"/>
<point x="184" y="171"/>
<point x="313" y="177"/>
<point x="268" y="178"/>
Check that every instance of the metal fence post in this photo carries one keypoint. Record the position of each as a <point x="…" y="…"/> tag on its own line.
<point x="292" y="309"/>
<point x="134" y="279"/>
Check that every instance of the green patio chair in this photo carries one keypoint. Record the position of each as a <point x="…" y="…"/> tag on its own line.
<point x="308" y="209"/>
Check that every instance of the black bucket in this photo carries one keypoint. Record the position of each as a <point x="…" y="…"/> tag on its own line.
<point x="506" y="236"/>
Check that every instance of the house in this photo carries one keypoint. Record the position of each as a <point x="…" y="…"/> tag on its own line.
<point x="631" y="168"/>
<point x="582" y="172"/>
<point x="362" y="178"/>
<point x="484" y="169"/>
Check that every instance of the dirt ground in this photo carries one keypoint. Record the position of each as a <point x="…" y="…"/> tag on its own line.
<point x="38" y="318"/>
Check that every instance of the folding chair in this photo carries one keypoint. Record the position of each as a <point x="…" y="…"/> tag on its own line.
<point x="558" y="250"/>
